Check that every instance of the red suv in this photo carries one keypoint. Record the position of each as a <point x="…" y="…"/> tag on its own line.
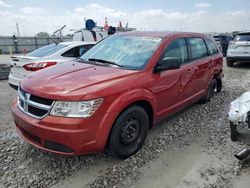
<point x="116" y="91"/>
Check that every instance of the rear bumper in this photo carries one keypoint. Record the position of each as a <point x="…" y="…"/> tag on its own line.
<point x="14" y="81"/>
<point x="65" y="136"/>
<point x="239" y="58"/>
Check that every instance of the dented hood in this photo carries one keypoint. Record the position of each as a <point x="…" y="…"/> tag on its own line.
<point x="74" y="80"/>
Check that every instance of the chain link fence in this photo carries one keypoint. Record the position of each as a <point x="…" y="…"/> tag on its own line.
<point x="25" y="44"/>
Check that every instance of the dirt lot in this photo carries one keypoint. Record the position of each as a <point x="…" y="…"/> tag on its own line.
<point x="190" y="149"/>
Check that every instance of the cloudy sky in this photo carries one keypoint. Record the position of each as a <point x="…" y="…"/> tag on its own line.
<point x="34" y="16"/>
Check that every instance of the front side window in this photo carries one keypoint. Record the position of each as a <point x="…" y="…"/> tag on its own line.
<point x="177" y="49"/>
<point x="83" y="49"/>
<point x="211" y="46"/>
<point x="198" y="48"/>
<point x="128" y="52"/>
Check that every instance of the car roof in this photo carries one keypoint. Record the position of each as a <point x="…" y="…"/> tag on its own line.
<point x="161" y="34"/>
<point x="244" y="33"/>
<point x="70" y="43"/>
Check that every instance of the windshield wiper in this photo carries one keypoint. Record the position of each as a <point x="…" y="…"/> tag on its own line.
<point x="104" y="61"/>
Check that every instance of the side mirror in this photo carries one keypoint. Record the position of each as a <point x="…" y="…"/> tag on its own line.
<point x="168" y="63"/>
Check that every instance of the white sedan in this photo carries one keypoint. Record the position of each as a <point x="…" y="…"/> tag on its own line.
<point x="50" y="55"/>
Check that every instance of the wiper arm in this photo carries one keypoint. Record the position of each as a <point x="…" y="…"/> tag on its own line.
<point x="104" y="61"/>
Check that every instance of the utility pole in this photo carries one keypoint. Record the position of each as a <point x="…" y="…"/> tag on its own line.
<point x="17" y="28"/>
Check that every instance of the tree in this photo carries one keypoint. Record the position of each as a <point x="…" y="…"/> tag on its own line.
<point x="42" y="34"/>
<point x="69" y="35"/>
<point x="235" y="32"/>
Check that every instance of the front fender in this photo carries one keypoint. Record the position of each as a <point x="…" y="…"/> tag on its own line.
<point x="117" y="106"/>
<point x="131" y="97"/>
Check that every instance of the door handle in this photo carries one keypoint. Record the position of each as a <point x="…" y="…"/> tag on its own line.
<point x="190" y="70"/>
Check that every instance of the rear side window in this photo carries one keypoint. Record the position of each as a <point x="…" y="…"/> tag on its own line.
<point x="198" y="48"/>
<point x="177" y="48"/>
<point x="73" y="52"/>
<point x="212" y="48"/>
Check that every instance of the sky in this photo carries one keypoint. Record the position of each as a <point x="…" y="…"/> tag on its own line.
<point x="35" y="16"/>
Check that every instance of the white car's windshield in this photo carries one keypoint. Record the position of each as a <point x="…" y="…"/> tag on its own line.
<point x="46" y="50"/>
<point x="129" y="52"/>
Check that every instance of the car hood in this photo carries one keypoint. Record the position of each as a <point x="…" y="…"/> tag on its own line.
<point x="74" y="80"/>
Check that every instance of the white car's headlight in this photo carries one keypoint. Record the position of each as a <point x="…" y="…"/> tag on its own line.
<point x="82" y="109"/>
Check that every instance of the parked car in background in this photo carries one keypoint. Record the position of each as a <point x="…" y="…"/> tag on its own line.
<point x="120" y="88"/>
<point x="239" y="120"/>
<point x="47" y="56"/>
<point x="239" y="49"/>
<point x="223" y="40"/>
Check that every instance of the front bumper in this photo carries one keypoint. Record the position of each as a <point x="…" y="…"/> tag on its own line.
<point x="60" y="135"/>
<point x="239" y="132"/>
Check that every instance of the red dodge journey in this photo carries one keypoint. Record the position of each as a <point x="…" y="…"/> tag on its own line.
<point x="116" y="92"/>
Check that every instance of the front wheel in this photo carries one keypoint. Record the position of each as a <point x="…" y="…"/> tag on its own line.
<point x="129" y="132"/>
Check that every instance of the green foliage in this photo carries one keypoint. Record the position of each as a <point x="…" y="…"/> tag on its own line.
<point x="235" y="32"/>
<point x="69" y="35"/>
<point x="42" y="34"/>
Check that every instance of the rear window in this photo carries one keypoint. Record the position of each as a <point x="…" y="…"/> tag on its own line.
<point x="245" y="37"/>
<point x="46" y="50"/>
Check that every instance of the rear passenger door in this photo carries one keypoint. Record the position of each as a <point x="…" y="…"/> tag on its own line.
<point x="202" y="65"/>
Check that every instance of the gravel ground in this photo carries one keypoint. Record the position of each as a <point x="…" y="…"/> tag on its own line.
<point x="190" y="149"/>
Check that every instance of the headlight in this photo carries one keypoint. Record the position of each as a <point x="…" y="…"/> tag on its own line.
<point x="82" y="109"/>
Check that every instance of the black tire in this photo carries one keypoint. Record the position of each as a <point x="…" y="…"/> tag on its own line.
<point x="210" y="92"/>
<point x="230" y="63"/>
<point x="219" y="84"/>
<point x="233" y="134"/>
<point x="129" y="132"/>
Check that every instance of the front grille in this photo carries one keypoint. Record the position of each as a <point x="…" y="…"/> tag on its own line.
<point x="32" y="105"/>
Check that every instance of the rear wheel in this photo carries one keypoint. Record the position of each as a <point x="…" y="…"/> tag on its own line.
<point x="210" y="92"/>
<point x="218" y="84"/>
<point x="129" y="132"/>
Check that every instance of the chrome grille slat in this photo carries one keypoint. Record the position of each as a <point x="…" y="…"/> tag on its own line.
<point x="32" y="108"/>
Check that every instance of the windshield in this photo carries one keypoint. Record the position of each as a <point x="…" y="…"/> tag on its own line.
<point x="129" y="52"/>
<point x="245" y="37"/>
<point x="46" y="50"/>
